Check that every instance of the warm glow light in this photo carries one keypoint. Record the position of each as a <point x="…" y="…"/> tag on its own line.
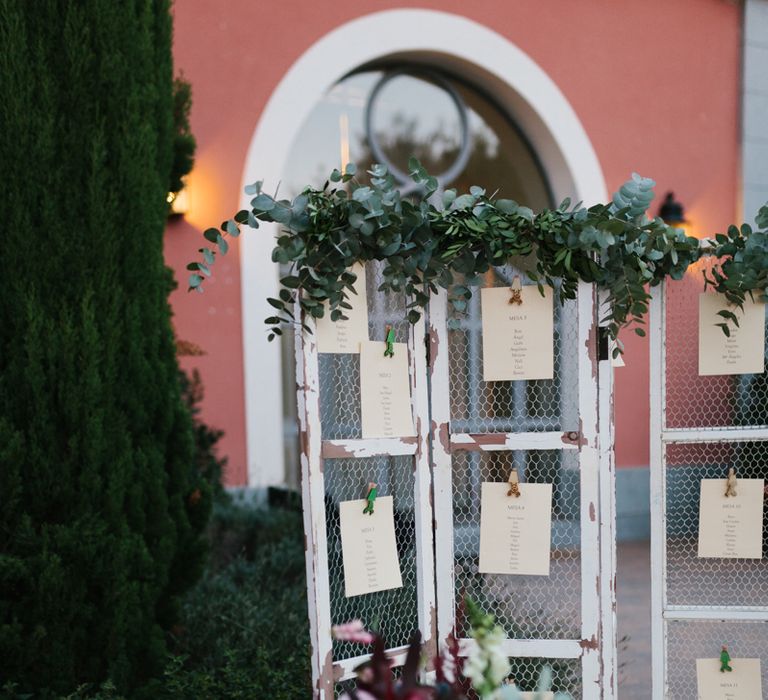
<point x="208" y="197"/>
<point x="180" y="203"/>
<point x="344" y="140"/>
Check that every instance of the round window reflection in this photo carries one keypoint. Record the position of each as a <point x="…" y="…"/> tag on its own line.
<point x="409" y="115"/>
<point x="415" y="114"/>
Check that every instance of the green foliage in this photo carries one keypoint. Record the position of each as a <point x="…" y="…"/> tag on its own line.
<point x="244" y="630"/>
<point x="426" y="247"/>
<point x="101" y="506"/>
<point x="209" y="465"/>
<point x="184" y="143"/>
<point x="742" y="266"/>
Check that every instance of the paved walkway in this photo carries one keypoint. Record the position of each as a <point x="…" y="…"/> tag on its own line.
<point x="633" y="593"/>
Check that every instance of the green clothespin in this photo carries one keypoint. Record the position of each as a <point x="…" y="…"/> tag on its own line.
<point x="725" y="660"/>
<point x="390" y="341"/>
<point x="371" y="497"/>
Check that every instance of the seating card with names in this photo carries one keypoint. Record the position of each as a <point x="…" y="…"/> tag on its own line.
<point x="385" y="394"/>
<point x="731" y="527"/>
<point x="518" y="339"/>
<point x="515" y="532"/>
<point x="368" y="547"/>
<point x="345" y="336"/>
<point x="744" y="682"/>
<point x="741" y="352"/>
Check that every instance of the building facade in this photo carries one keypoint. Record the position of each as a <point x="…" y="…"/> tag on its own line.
<point x="540" y="100"/>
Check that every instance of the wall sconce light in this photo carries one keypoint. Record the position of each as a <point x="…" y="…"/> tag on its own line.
<point x="179" y="201"/>
<point x="672" y="212"/>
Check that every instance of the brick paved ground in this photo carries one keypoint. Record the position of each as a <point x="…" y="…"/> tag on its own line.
<point x="633" y="591"/>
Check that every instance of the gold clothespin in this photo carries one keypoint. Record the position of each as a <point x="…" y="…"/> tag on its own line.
<point x="516" y="290"/>
<point x="730" y="487"/>
<point x="514" y="484"/>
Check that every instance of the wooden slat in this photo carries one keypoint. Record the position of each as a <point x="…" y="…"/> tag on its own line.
<point x="489" y="442"/>
<point x="338" y="449"/>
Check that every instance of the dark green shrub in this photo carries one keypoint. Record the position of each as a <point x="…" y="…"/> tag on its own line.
<point x="209" y="465"/>
<point x="244" y="630"/>
<point x="101" y="506"/>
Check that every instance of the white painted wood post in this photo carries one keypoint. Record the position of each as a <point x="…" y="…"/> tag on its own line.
<point x="590" y="507"/>
<point x="658" y="543"/>
<point x="607" y="469"/>
<point x="441" y="464"/>
<point x="313" y="501"/>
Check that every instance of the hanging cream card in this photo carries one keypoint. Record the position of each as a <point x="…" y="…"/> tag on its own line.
<point x="385" y="395"/>
<point x="743" y="352"/>
<point x="345" y="336"/>
<point x="731" y="527"/>
<point x="742" y="683"/>
<point x="515" y="532"/>
<point x="368" y="547"/>
<point x="518" y="339"/>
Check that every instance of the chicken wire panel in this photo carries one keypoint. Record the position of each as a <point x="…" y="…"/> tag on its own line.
<point x="339" y="374"/>
<point x="566" y="674"/>
<point x="688" y="640"/>
<point x="478" y="406"/>
<point x="693" y="401"/>
<point x="393" y="613"/>
<point x="712" y="582"/>
<point x="527" y="607"/>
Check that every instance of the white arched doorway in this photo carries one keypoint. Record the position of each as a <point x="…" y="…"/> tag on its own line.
<point x="455" y="43"/>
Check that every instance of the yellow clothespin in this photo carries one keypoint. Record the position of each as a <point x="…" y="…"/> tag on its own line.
<point x="730" y="488"/>
<point x="514" y="484"/>
<point x="516" y="289"/>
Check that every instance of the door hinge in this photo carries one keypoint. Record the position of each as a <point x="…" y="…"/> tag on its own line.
<point x="602" y="344"/>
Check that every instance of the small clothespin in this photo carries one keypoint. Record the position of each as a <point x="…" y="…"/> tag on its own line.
<point x="730" y="488"/>
<point x="514" y="484"/>
<point x="725" y="660"/>
<point x="516" y="290"/>
<point x="390" y="341"/>
<point x="370" y="497"/>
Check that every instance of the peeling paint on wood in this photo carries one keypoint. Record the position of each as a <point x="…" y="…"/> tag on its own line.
<point x="362" y="448"/>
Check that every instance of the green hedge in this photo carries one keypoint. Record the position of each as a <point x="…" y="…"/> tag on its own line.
<point x="101" y="505"/>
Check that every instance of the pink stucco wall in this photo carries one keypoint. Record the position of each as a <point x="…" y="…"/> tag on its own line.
<point x="656" y="85"/>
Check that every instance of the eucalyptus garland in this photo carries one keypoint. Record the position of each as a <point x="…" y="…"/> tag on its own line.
<point x="742" y="266"/>
<point x="449" y="240"/>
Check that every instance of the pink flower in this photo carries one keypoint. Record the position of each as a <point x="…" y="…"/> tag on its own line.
<point x="353" y="631"/>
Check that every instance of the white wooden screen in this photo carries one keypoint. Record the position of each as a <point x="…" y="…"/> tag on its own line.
<point x="550" y="430"/>
<point x="337" y="465"/>
<point x="557" y="431"/>
<point x="699" y="427"/>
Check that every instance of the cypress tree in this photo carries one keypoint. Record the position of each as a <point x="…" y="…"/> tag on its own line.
<point x="101" y="508"/>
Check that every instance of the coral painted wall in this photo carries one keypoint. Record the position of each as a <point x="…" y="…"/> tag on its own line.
<point x="656" y="85"/>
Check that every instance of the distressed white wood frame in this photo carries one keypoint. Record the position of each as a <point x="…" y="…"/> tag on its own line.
<point x="326" y="671"/>
<point x="660" y="436"/>
<point x="597" y="646"/>
<point x="467" y="48"/>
